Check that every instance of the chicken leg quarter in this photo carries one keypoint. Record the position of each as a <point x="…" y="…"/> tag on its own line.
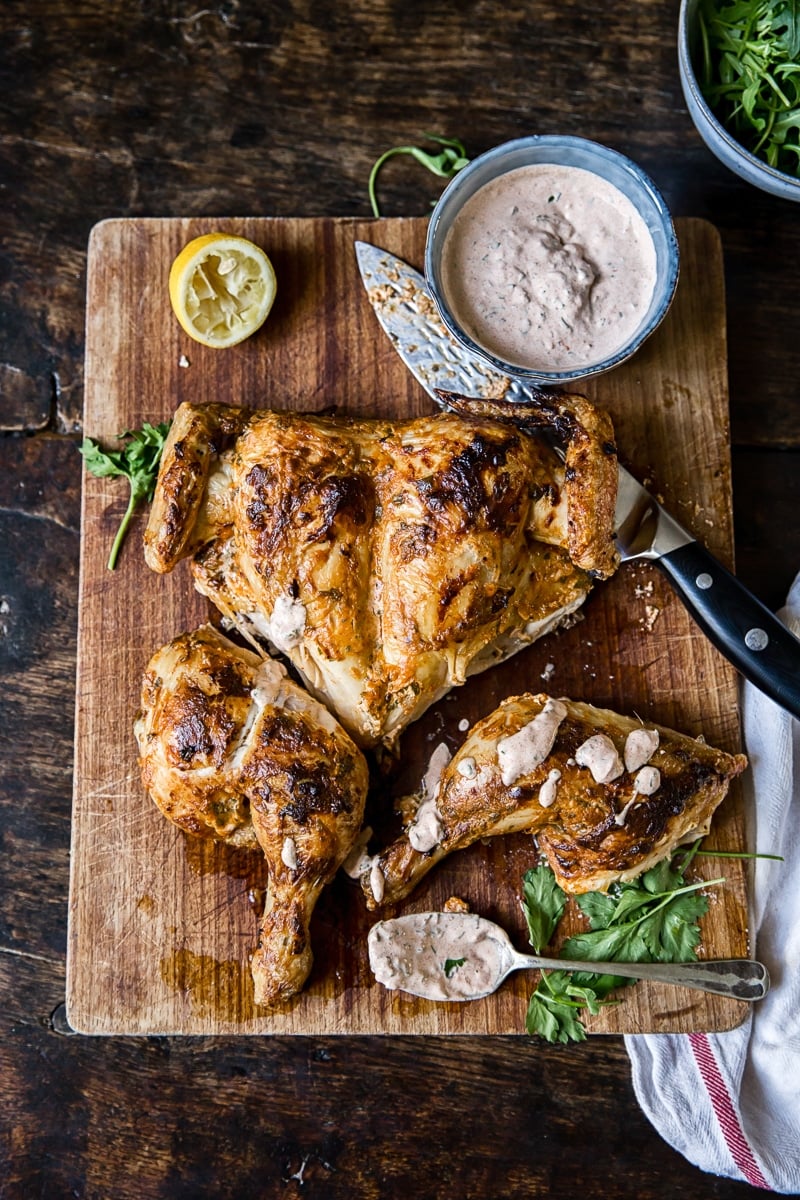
<point x="230" y="748"/>
<point x="602" y="810"/>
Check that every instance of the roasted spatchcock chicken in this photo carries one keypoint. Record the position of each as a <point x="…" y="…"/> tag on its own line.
<point x="606" y="796"/>
<point x="389" y="560"/>
<point x="230" y="748"/>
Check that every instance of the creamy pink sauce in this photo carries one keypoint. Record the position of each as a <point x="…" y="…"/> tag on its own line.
<point x="377" y="881"/>
<point x="549" y="789"/>
<point x="426" y="830"/>
<point x="549" y="267"/>
<point x="599" y="754"/>
<point x="440" y="955"/>
<point x="640" y="746"/>
<point x="647" y="781"/>
<point x="525" y="750"/>
<point x="467" y="767"/>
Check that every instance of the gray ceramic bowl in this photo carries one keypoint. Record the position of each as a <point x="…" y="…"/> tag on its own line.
<point x="571" y="152"/>
<point x="714" y="134"/>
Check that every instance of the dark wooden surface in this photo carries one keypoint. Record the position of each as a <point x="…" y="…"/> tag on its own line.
<point x="168" y="108"/>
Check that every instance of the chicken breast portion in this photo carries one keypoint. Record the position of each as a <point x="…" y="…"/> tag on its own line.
<point x="389" y="560"/>
<point x="231" y="749"/>
<point x="606" y="796"/>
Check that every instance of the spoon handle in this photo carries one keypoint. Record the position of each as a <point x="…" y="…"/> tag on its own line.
<point x="740" y="978"/>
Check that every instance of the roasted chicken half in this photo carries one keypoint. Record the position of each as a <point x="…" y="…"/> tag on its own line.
<point x="230" y="748"/>
<point x="389" y="560"/>
<point x="606" y="796"/>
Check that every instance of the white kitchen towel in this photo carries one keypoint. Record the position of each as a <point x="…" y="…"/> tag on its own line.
<point x="730" y="1102"/>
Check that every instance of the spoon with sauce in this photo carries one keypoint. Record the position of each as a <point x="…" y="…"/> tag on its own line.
<point x="461" y="956"/>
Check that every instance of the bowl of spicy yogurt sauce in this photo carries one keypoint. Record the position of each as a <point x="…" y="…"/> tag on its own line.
<point x="551" y="258"/>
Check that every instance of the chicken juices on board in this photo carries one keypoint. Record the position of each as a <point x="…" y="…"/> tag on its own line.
<point x="388" y="560"/>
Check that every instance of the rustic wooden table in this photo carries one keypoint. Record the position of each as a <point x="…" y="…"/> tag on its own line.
<point x="247" y="107"/>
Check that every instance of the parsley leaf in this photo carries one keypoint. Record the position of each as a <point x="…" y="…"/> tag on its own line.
<point x="553" y="1009"/>
<point x="647" y="926"/>
<point x="543" y="903"/>
<point x="447" y="163"/>
<point x="603" y="945"/>
<point x="452" y="964"/>
<point x="651" y="919"/>
<point x="137" y="460"/>
<point x="598" y="907"/>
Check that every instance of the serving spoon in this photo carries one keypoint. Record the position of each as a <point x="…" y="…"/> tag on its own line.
<point x="461" y="956"/>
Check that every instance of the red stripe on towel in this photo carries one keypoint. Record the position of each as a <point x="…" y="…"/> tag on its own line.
<point x="725" y="1112"/>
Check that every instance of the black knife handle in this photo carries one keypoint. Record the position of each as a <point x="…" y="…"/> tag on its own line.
<point x="739" y="625"/>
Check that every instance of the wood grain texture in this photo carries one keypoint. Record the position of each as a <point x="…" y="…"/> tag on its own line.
<point x="260" y="107"/>
<point x="161" y="925"/>
<point x="128" y="108"/>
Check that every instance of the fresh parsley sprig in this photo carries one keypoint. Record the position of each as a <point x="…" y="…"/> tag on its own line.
<point x="137" y="460"/>
<point x="646" y="923"/>
<point x="750" y="74"/>
<point x="554" y="1008"/>
<point x="651" y="919"/>
<point x="447" y="163"/>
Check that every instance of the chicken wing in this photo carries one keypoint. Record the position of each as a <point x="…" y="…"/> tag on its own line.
<point x="389" y="560"/>
<point x="606" y="796"/>
<point x="230" y="748"/>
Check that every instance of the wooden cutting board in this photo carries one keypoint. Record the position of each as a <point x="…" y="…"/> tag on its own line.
<point x="161" y="926"/>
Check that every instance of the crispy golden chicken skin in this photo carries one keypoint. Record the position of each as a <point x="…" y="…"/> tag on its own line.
<point x="389" y="560"/>
<point x="230" y="748"/>
<point x="662" y="790"/>
<point x="586" y="435"/>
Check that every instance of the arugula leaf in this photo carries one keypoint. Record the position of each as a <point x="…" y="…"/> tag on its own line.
<point x="137" y="461"/>
<point x="447" y="163"/>
<point x="750" y="75"/>
<point x="452" y="964"/>
<point x="543" y="903"/>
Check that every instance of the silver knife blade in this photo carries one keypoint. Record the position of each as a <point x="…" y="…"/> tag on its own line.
<point x="405" y="309"/>
<point x="737" y="623"/>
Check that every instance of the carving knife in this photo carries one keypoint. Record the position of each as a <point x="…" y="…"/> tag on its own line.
<point x="739" y="625"/>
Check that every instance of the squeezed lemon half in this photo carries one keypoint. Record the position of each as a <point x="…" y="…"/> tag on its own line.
<point x="221" y="288"/>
